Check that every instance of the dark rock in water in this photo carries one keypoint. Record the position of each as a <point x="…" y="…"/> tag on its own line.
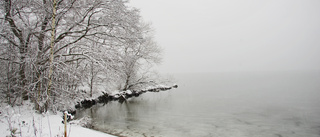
<point x="121" y="100"/>
<point x="86" y="103"/>
<point x="129" y="95"/>
<point x="136" y="94"/>
<point x="77" y="105"/>
<point x="121" y="96"/>
<point x="104" y="98"/>
<point x="72" y="112"/>
<point x="175" y="86"/>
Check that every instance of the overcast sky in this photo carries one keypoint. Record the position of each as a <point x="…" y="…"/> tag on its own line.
<point x="235" y="35"/>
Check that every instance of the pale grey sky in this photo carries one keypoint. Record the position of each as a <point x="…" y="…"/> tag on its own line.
<point x="235" y="35"/>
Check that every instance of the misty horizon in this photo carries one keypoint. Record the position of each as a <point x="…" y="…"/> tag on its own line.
<point x="231" y="36"/>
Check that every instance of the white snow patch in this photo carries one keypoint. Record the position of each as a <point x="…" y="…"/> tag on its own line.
<point x="129" y="92"/>
<point x="24" y="121"/>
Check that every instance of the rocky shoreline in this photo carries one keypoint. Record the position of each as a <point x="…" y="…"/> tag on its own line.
<point x="120" y="96"/>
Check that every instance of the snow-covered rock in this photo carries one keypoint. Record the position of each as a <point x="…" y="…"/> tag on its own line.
<point x="129" y="92"/>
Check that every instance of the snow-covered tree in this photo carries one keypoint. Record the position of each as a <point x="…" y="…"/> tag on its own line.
<point x="96" y="42"/>
<point x="138" y="57"/>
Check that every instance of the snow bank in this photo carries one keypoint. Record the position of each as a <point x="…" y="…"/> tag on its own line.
<point x="23" y="121"/>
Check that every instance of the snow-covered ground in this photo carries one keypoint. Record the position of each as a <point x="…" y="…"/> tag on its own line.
<point x="23" y="121"/>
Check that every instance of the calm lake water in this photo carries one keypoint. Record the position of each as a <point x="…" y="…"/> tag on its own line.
<point x="270" y="104"/>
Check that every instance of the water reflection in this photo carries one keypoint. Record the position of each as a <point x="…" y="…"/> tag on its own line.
<point x="273" y="105"/>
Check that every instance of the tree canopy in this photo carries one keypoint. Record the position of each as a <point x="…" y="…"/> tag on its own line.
<point x="98" y="45"/>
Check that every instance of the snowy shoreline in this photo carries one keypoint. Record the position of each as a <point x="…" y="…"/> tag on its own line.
<point x="23" y="121"/>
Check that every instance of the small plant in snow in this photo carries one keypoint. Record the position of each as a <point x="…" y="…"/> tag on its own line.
<point x="13" y="132"/>
<point x="10" y="120"/>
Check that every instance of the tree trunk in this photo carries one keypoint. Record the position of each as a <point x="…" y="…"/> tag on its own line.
<point x="92" y="78"/>
<point x="23" y="77"/>
<point x="51" y="52"/>
<point x="127" y="82"/>
<point x="38" y="70"/>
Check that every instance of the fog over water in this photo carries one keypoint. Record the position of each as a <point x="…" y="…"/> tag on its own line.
<point x="276" y="104"/>
<point x="233" y="35"/>
<point x="244" y="68"/>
